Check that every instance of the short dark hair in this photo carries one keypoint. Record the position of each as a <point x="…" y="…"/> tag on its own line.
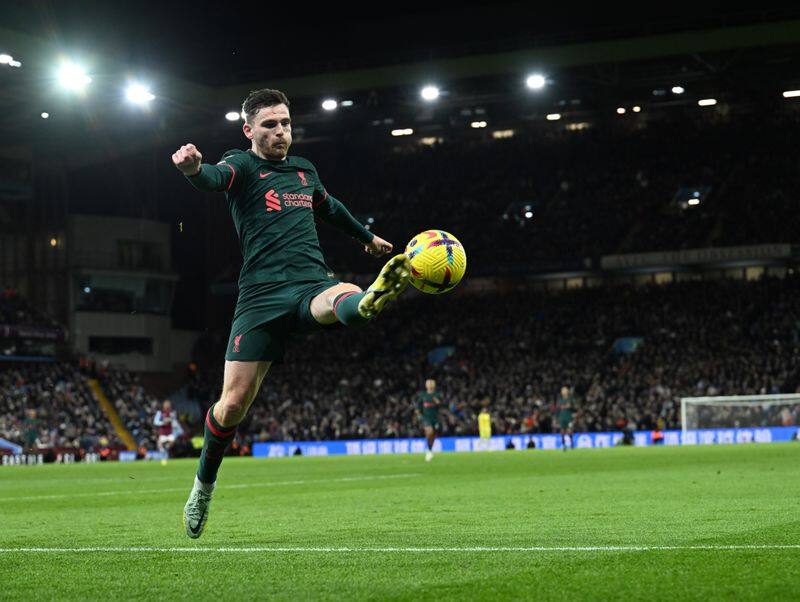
<point x="258" y="99"/>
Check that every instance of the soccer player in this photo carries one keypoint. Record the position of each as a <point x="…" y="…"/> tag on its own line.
<point x="284" y="284"/>
<point x="565" y="406"/>
<point x="485" y="428"/>
<point x="168" y="428"/>
<point x="428" y="403"/>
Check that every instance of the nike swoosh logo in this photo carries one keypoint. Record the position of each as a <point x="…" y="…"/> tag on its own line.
<point x="195" y="531"/>
<point x="263" y="175"/>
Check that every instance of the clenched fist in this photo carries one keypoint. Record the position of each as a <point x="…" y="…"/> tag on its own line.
<point x="187" y="159"/>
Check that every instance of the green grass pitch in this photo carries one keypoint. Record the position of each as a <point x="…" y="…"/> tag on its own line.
<point x="669" y="523"/>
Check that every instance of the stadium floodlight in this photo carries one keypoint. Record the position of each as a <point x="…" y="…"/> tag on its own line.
<point x="529" y="214"/>
<point x="707" y="102"/>
<point x="329" y="104"/>
<point x="637" y="108"/>
<point x="429" y="93"/>
<point x="5" y="59"/>
<point x="14" y="64"/>
<point x="553" y="116"/>
<point x="478" y="124"/>
<point x="347" y="103"/>
<point x="791" y="93"/>
<point x="693" y="202"/>
<point x="232" y="115"/>
<point x="73" y="77"/>
<point x="402" y="132"/>
<point x="535" y="81"/>
<point x="678" y="90"/>
<point x="45" y="115"/>
<point x="138" y="94"/>
<point x="500" y="134"/>
<point x="87" y="289"/>
<point x="620" y="110"/>
<point x="53" y="242"/>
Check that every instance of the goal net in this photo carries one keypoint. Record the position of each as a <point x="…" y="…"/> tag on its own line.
<point x="740" y="411"/>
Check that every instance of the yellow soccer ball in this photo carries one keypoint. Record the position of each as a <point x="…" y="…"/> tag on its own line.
<point x="438" y="261"/>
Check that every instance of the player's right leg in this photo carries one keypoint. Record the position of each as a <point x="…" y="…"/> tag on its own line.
<point x="346" y="303"/>
<point x="240" y="386"/>
<point x="430" y="436"/>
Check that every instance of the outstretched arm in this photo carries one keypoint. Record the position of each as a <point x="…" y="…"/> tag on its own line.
<point x="205" y="177"/>
<point x="332" y="211"/>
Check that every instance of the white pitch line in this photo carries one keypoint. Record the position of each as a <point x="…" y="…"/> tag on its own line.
<point x="60" y="496"/>
<point x="402" y="550"/>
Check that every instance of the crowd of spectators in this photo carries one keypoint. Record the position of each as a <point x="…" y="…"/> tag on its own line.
<point x="607" y="189"/>
<point x="509" y="351"/>
<point x="515" y="351"/>
<point x="50" y="405"/>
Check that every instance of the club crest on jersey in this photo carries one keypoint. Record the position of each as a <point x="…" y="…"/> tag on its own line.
<point x="273" y="202"/>
<point x="236" y="340"/>
<point x="302" y="176"/>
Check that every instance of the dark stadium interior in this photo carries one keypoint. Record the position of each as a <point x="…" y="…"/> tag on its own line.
<point x="628" y="167"/>
<point x="575" y="376"/>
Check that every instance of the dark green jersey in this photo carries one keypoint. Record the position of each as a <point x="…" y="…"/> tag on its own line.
<point x="274" y="205"/>
<point x="429" y="403"/>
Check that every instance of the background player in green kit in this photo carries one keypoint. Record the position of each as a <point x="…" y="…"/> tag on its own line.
<point x="284" y="287"/>
<point x="428" y="403"/>
<point x="565" y="406"/>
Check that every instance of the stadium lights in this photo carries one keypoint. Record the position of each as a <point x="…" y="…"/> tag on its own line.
<point x="138" y="94"/>
<point x="232" y="116"/>
<point x="678" y="90"/>
<point x="500" y="134"/>
<point x="636" y="109"/>
<point x="45" y="115"/>
<point x="73" y="77"/>
<point x="403" y="132"/>
<point x="620" y="110"/>
<point x="347" y="103"/>
<point x="529" y="214"/>
<point x="429" y="93"/>
<point x="535" y="81"/>
<point x="553" y="116"/>
<point x="5" y="59"/>
<point x="53" y="242"/>
<point x="14" y="64"/>
<point x="693" y="202"/>
<point x="707" y="102"/>
<point x="329" y="104"/>
<point x="478" y="124"/>
<point x="791" y="93"/>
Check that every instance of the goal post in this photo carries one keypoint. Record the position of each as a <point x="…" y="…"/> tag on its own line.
<point x="745" y="411"/>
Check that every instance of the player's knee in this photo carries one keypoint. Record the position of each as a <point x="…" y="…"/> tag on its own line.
<point x="233" y="404"/>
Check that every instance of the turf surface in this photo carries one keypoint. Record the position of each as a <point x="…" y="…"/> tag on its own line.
<point x="679" y="523"/>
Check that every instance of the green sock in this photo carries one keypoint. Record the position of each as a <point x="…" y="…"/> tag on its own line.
<point x="345" y="308"/>
<point x="216" y="442"/>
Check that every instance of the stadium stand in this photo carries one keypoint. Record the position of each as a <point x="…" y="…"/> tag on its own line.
<point x="699" y="338"/>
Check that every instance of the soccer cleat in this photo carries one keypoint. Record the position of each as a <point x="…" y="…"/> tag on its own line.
<point x="428" y="456"/>
<point x="392" y="281"/>
<point x="195" y="513"/>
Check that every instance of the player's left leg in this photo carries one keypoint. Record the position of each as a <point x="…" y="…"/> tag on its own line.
<point x="346" y="303"/>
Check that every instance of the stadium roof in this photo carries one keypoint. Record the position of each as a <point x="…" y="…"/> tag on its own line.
<point x="196" y="81"/>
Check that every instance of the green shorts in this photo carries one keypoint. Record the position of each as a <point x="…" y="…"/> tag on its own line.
<point x="268" y="315"/>
<point x="430" y="420"/>
<point x="565" y="419"/>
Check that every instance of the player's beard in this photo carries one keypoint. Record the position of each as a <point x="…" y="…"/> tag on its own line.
<point x="278" y="151"/>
